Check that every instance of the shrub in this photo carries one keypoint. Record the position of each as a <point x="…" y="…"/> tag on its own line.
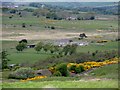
<point x="39" y="46"/>
<point x="22" y="73"/>
<point x="52" y="27"/>
<point x="76" y="69"/>
<point x="23" y="25"/>
<point x="21" y="46"/>
<point x="57" y="73"/>
<point x="16" y="67"/>
<point x="79" y="69"/>
<point x="62" y="68"/>
<point x="23" y="41"/>
<point x="72" y="67"/>
<point x="3" y="56"/>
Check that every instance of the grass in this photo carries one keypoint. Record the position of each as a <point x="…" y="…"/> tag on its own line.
<point x="63" y="84"/>
<point x="27" y="56"/>
<point x="93" y="47"/>
<point x="108" y="75"/>
<point x="31" y="56"/>
<point x="110" y="72"/>
<point x="74" y="25"/>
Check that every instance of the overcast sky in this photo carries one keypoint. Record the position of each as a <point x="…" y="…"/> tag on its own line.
<point x="59" y="0"/>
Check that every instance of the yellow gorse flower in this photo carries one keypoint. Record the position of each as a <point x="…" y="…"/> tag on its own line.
<point x="34" y="78"/>
<point x="89" y="65"/>
<point x="93" y="64"/>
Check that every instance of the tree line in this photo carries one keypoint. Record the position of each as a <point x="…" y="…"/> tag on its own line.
<point x="53" y="49"/>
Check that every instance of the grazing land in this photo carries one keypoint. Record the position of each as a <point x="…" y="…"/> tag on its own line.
<point x="46" y="45"/>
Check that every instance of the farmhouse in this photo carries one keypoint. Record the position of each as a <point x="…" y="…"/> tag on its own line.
<point x="64" y="42"/>
<point x="80" y="43"/>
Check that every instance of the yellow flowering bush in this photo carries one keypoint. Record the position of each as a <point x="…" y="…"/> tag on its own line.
<point x="89" y="65"/>
<point x="51" y="69"/>
<point x="34" y="78"/>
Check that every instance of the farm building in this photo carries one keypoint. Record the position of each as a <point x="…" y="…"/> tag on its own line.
<point x="80" y="43"/>
<point x="31" y="46"/>
<point x="64" y="42"/>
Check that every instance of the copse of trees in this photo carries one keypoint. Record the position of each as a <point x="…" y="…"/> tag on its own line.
<point x="68" y="49"/>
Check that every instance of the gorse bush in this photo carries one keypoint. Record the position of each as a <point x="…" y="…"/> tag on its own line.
<point x="62" y="68"/>
<point x="22" y="73"/>
<point x="76" y="69"/>
<point x="79" y="69"/>
<point x="57" y="73"/>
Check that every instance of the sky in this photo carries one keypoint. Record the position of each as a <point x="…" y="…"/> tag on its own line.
<point x="59" y="0"/>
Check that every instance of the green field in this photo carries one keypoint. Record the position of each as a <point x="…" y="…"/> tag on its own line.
<point x="31" y="56"/>
<point x="41" y="22"/>
<point x="93" y="47"/>
<point x="40" y="28"/>
<point x="28" y="56"/>
<point x="106" y="80"/>
<point x="63" y="84"/>
<point x="110" y="72"/>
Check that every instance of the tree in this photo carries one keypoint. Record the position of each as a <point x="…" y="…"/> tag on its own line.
<point x="66" y="49"/>
<point x="82" y="35"/>
<point x="23" y="25"/>
<point x="47" y="47"/>
<point x="21" y="46"/>
<point x="23" y="41"/>
<point x="39" y="46"/>
<point x="54" y="49"/>
<point x="4" y="59"/>
<point x="92" y="18"/>
<point x="73" y="49"/>
<point x="52" y="27"/>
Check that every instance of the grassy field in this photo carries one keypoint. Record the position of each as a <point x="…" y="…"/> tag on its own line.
<point x="41" y="22"/>
<point x="63" y="84"/>
<point x="37" y="30"/>
<point x="110" y="72"/>
<point x="93" y="47"/>
<point x="31" y="56"/>
<point x="108" y="79"/>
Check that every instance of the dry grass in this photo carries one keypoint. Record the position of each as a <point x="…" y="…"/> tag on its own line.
<point x="47" y="34"/>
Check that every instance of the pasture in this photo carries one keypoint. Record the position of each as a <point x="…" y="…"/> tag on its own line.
<point x="38" y="29"/>
<point x="73" y="25"/>
<point x="94" y="29"/>
<point x="31" y="56"/>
